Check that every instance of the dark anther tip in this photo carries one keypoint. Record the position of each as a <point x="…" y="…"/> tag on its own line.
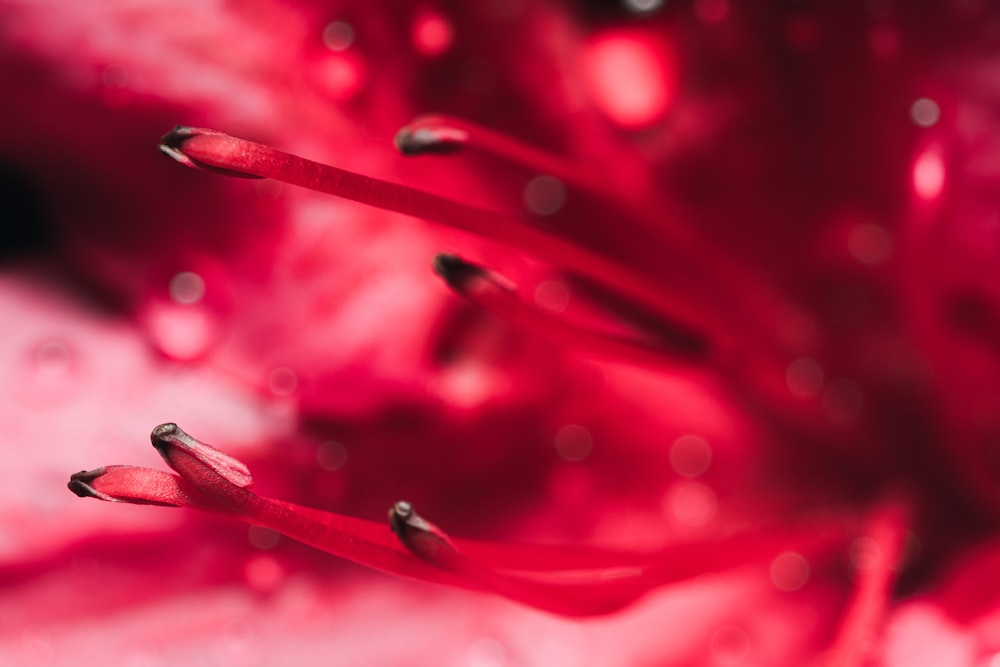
<point x="455" y="270"/>
<point x="177" y="136"/>
<point x="160" y="434"/>
<point x="423" y="141"/>
<point x="399" y="514"/>
<point x="79" y="483"/>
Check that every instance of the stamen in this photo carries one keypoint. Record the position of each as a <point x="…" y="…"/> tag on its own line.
<point x="572" y="581"/>
<point x="133" y="485"/>
<point x="492" y="293"/>
<point x="885" y="536"/>
<point x="169" y="439"/>
<point x="561" y="583"/>
<point x="212" y="150"/>
<point x="439" y="135"/>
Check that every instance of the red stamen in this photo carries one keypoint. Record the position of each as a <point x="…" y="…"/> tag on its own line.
<point x="209" y="149"/>
<point x="439" y="134"/>
<point x="133" y="485"/>
<point x="490" y="292"/>
<point x="560" y="582"/>
<point x="877" y="570"/>
<point x="571" y="581"/>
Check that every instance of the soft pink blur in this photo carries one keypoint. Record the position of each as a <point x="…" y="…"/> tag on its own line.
<point x="843" y="152"/>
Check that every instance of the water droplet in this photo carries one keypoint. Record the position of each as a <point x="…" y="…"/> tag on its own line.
<point x="544" y="195"/>
<point x="331" y="455"/>
<point x="574" y="443"/>
<point x="804" y="377"/>
<point x="282" y="381"/>
<point x="187" y="287"/>
<point x="925" y="112"/>
<point x="789" y="571"/>
<point x="690" y="456"/>
<point x="338" y="35"/>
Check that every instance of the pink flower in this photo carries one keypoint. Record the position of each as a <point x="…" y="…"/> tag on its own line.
<point x="719" y="384"/>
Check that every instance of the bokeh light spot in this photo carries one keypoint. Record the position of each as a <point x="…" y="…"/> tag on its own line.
<point x="690" y="456"/>
<point x="928" y="174"/>
<point x="804" y="377"/>
<point x="843" y="401"/>
<point x="187" y="287"/>
<point x="729" y="645"/>
<point x="711" y="11"/>
<point x="282" y="381"/>
<point x="870" y="244"/>
<point x="331" y="455"/>
<point x="629" y="78"/>
<point x="263" y="538"/>
<point x="263" y="573"/>
<point x="691" y="504"/>
<point x="544" y="195"/>
<point x="574" y="443"/>
<point x="432" y="33"/>
<point x="53" y="357"/>
<point x="789" y="571"/>
<point x="338" y="35"/>
<point x="925" y="112"/>
<point x="865" y="553"/>
<point x="552" y="296"/>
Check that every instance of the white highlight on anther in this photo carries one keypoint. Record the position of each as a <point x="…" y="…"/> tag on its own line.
<point x="789" y="571"/>
<point x="544" y="195"/>
<point x="925" y="112"/>
<point x="690" y="456"/>
<point x="187" y="287"/>
<point x="574" y="443"/>
<point x="804" y="377"/>
<point x="338" y="36"/>
<point x="642" y="6"/>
